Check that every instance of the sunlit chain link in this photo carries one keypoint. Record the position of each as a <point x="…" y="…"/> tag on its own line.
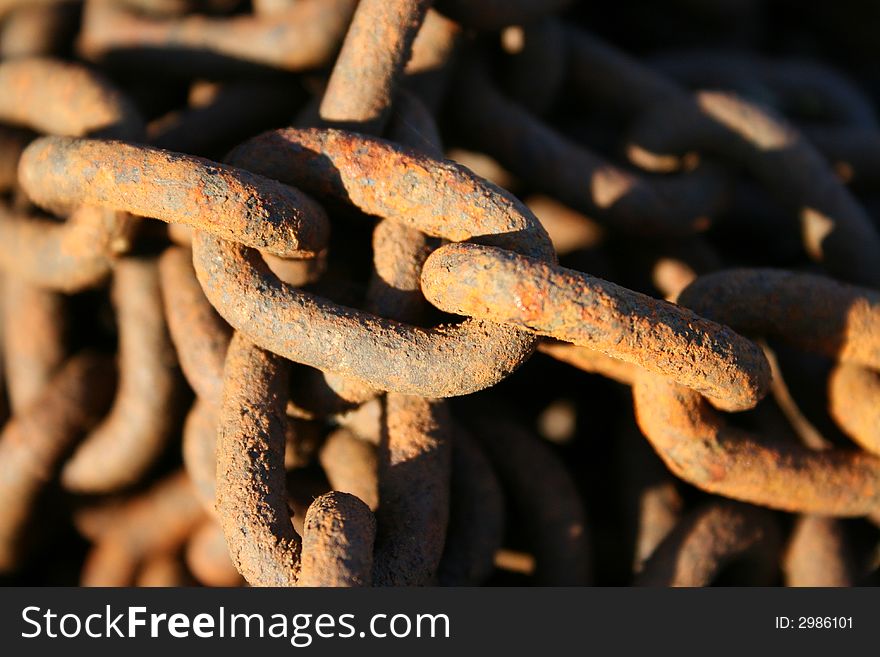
<point x="439" y="198"/>
<point x="501" y="286"/>
<point x="60" y="173"/>
<point x="413" y="463"/>
<point x="698" y="444"/>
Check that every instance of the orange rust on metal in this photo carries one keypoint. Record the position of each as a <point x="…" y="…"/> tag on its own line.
<point x="818" y="554"/>
<point x="59" y="97"/>
<point x="414" y="473"/>
<point x="337" y="542"/>
<point x="708" y="540"/>
<point x="33" y="335"/>
<point x="136" y="431"/>
<point x="251" y="490"/>
<point x="438" y="197"/>
<point x="60" y="172"/>
<point x="251" y="487"/>
<point x="399" y="250"/>
<point x="439" y="362"/>
<point x="504" y="287"/>
<point x="700" y="447"/>
<point x="811" y="312"/>
<point x="157" y="521"/>
<point x="35" y="441"/>
<point x="522" y="82"/>
<point x="854" y="403"/>
<point x="303" y="37"/>
<point x="378" y="44"/>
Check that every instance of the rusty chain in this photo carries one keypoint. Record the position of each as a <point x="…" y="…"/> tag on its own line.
<point x="408" y="293"/>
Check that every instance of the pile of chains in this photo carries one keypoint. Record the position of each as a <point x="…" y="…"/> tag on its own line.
<point x="372" y="338"/>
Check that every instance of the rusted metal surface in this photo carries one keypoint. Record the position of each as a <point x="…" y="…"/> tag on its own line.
<point x="698" y="445"/>
<point x="392" y="356"/>
<point x="251" y="487"/>
<point x="60" y="172"/>
<point x="376" y="48"/>
<point x="355" y="315"/>
<point x="414" y="463"/>
<point x="811" y="312"/>
<point x="338" y="534"/>
<point x="437" y="197"/>
<point x="250" y="468"/>
<point x="494" y="284"/>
